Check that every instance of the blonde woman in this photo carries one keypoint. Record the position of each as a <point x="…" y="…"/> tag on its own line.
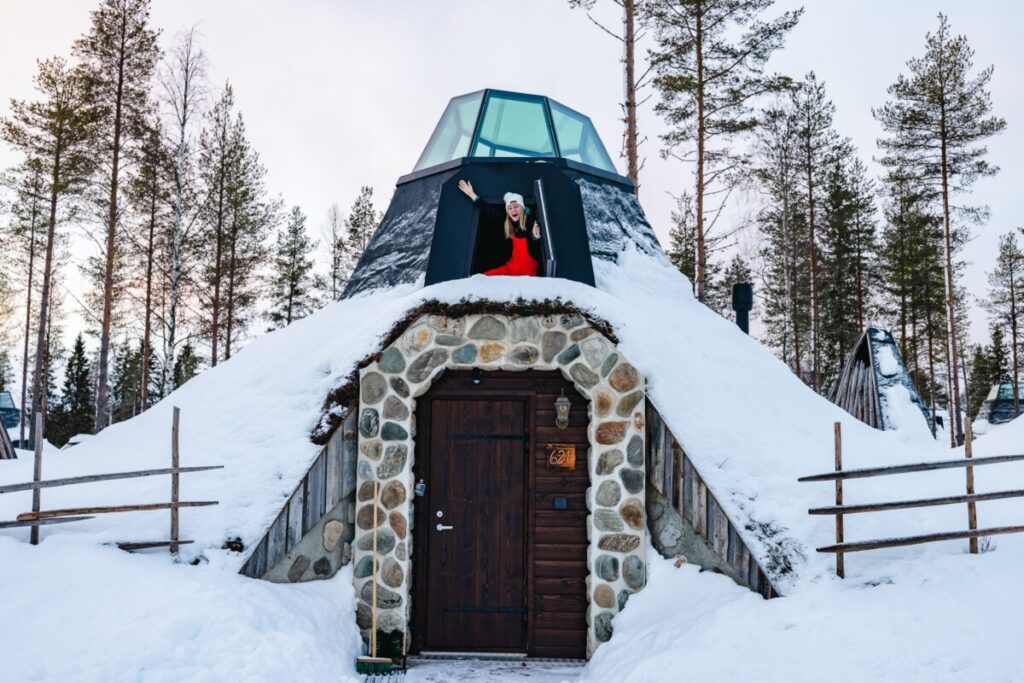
<point x="525" y="244"/>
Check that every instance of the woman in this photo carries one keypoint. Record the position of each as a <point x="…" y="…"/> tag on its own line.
<point x="526" y="250"/>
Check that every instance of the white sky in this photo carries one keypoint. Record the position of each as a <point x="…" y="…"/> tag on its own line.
<point x="342" y="93"/>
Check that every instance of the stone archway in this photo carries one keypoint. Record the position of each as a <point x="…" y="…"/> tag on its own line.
<point x="567" y="343"/>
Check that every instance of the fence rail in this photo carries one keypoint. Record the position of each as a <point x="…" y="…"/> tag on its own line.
<point x="840" y="548"/>
<point x="37" y="517"/>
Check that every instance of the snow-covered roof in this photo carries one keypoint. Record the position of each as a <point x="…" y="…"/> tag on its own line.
<point x="255" y="414"/>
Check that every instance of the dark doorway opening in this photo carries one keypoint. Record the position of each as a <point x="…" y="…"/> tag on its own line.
<point x="503" y="567"/>
<point x="492" y="248"/>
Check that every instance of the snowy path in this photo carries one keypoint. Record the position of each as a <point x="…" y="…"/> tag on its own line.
<point x="483" y="671"/>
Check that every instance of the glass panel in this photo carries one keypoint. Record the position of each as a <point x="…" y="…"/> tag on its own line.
<point x="6" y="402"/>
<point x="454" y="131"/>
<point x="1006" y="391"/>
<point x="514" y="126"/>
<point x="577" y="138"/>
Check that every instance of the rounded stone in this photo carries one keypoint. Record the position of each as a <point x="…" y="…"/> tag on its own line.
<point x="395" y="409"/>
<point x="364" y="616"/>
<point x="392" y="495"/>
<point x="371" y="449"/>
<point x="607" y="567"/>
<point x="448" y="340"/>
<point x="446" y="325"/>
<point x="624" y="598"/>
<point x="609" y="460"/>
<point x="632" y="512"/>
<point x="628" y="402"/>
<point x="372" y="388"/>
<point x="398" y="524"/>
<point x="492" y="351"/>
<point x="632" y="480"/>
<point x="610" y="433"/>
<point x="391" y="621"/>
<point x="365" y="491"/>
<point x="385" y="541"/>
<point x="608" y="364"/>
<point x="464" y="354"/>
<point x="603" y="627"/>
<point x="369" y="423"/>
<point x="364" y="470"/>
<point x="298" y="568"/>
<point x="393" y="461"/>
<point x="571" y="320"/>
<point x="364" y="518"/>
<point x="425" y="364"/>
<point x="332" y="533"/>
<point x="607" y="520"/>
<point x="635" y="451"/>
<point x="417" y="338"/>
<point x="391" y="573"/>
<point x="322" y="567"/>
<point x="581" y="333"/>
<point x="595" y="350"/>
<point x="391" y="361"/>
<point x="487" y="327"/>
<point x="603" y="402"/>
<point x="550" y="344"/>
<point x="364" y="567"/>
<point x="386" y="599"/>
<point x="624" y="378"/>
<point x="524" y="355"/>
<point x="608" y="493"/>
<point x="523" y="329"/>
<point x="399" y="386"/>
<point x="633" y="572"/>
<point x="583" y="375"/>
<point x="619" y="543"/>
<point x="604" y="596"/>
<point x="392" y="431"/>
<point x="400" y="551"/>
<point x="569" y="355"/>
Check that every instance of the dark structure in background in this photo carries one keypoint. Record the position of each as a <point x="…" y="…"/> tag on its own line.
<point x="9" y="413"/>
<point x="504" y="142"/>
<point x="872" y="368"/>
<point x="742" y="302"/>
<point x="997" y="407"/>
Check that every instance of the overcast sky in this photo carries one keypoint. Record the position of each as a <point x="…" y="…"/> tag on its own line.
<point x="343" y="93"/>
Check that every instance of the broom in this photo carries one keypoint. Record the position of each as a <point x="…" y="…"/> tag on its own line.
<point x="374" y="664"/>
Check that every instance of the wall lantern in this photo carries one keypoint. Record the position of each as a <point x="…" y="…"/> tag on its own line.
<point x="562" y="406"/>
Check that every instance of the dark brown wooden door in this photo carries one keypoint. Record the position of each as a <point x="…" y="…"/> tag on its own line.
<point x="475" y="526"/>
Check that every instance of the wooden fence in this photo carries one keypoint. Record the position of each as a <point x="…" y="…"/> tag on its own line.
<point x="971" y="499"/>
<point x="38" y="517"/>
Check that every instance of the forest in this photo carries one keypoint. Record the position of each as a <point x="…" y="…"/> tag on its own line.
<point x="128" y="142"/>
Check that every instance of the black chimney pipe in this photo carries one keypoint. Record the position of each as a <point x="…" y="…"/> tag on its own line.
<point x="742" y="302"/>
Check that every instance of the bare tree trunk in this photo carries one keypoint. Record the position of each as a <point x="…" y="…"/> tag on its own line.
<point x="172" y="314"/>
<point x="218" y="247"/>
<point x="38" y="379"/>
<point x="1013" y="341"/>
<point x="633" y="166"/>
<point x="950" y="291"/>
<point x="931" y="371"/>
<point x="813" y="256"/>
<point x="28" y="322"/>
<point x="147" y="329"/>
<point x="699" y="270"/>
<point x="231" y="296"/>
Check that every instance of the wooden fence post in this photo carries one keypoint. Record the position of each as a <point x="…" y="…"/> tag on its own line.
<point x="174" y="480"/>
<point x="840" y="565"/>
<point x="37" y="474"/>
<point x="972" y="507"/>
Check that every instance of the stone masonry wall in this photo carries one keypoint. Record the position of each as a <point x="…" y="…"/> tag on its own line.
<point x="386" y="435"/>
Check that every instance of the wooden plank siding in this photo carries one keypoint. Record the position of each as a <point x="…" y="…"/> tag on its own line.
<point x="675" y="475"/>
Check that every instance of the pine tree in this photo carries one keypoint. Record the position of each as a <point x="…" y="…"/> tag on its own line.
<point x="981" y="379"/>
<point x="682" y="250"/>
<point x="1005" y="302"/>
<point x="938" y="118"/>
<point x="334" y="232"/>
<point x="361" y="223"/>
<point x="57" y="132"/>
<point x="76" y="410"/>
<point x="291" y="288"/>
<point x="710" y="60"/>
<point x="998" y="357"/>
<point x="119" y="55"/>
<point x="720" y="299"/>
<point x="186" y="366"/>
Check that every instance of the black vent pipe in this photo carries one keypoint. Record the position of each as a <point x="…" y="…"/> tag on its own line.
<point x="742" y="302"/>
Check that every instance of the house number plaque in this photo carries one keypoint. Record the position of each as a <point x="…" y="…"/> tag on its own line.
<point x="561" y="456"/>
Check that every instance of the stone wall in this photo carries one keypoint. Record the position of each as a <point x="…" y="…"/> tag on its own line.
<point x="386" y="434"/>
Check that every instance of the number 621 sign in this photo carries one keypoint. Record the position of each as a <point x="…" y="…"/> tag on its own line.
<point x="561" y="456"/>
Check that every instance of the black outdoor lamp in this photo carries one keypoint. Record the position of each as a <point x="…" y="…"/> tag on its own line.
<point x="562" y="406"/>
<point x="478" y="376"/>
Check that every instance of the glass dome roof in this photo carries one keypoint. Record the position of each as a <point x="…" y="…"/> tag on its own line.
<point x="495" y="123"/>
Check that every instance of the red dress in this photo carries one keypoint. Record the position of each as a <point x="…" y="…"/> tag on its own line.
<point x="521" y="262"/>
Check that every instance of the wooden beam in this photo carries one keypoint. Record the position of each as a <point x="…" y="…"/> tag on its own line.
<point x="917" y="467"/>
<point x="972" y="509"/>
<point x="40" y="522"/>
<point x="840" y="560"/>
<point x="142" y="545"/>
<point x="175" y="485"/>
<point x="44" y="514"/>
<point x="915" y="540"/>
<point x="37" y="473"/>
<point x="919" y="503"/>
<point x="67" y="481"/>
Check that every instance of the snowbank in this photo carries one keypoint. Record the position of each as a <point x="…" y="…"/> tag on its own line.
<point x="75" y="612"/>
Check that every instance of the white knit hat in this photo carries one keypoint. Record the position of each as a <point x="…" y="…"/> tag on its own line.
<point x="514" y="197"/>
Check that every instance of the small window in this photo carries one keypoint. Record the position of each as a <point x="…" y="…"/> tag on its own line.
<point x="514" y="126"/>
<point x="577" y="138"/>
<point x="492" y="249"/>
<point x="454" y="132"/>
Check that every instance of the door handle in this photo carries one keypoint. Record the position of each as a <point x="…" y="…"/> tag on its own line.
<point x="444" y="527"/>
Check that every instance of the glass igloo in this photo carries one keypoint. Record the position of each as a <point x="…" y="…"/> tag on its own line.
<point x="497" y="123"/>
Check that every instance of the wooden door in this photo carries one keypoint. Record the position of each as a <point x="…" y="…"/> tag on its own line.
<point x="474" y="523"/>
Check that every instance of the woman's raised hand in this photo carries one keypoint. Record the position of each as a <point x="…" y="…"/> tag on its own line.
<point x="467" y="189"/>
<point x="536" y="231"/>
